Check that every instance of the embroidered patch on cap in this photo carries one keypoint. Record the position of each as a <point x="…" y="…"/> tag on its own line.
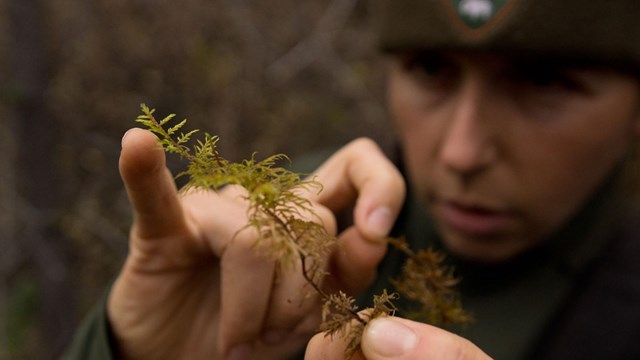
<point x="477" y="13"/>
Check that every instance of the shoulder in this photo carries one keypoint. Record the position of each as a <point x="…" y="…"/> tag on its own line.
<point x="601" y="318"/>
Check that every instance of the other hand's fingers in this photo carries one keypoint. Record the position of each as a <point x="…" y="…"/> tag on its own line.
<point x="292" y="298"/>
<point x="246" y="274"/>
<point x="246" y="283"/>
<point x="292" y="301"/>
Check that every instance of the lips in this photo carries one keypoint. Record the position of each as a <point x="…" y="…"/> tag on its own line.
<point x="473" y="220"/>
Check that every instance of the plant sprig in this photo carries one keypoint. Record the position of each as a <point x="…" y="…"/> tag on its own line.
<point x="277" y="211"/>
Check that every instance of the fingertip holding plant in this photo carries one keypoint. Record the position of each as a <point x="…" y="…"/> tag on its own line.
<point x="278" y="213"/>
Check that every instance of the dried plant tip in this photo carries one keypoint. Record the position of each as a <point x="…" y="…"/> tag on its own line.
<point x="426" y="281"/>
<point x="340" y="318"/>
<point x="383" y="304"/>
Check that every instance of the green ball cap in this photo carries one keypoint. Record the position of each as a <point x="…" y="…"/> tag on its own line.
<point x="606" y="31"/>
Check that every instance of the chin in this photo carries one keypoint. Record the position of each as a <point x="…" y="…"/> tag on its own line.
<point x="488" y="250"/>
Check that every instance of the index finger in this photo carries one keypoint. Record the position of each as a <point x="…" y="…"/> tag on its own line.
<point x="152" y="192"/>
<point x="361" y="173"/>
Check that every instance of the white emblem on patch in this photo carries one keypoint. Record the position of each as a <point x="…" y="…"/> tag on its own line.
<point x="476" y="9"/>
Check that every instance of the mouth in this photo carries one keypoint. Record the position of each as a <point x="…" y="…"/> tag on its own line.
<point x="471" y="219"/>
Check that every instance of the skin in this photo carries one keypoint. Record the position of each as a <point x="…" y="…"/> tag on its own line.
<point x="492" y="152"/>
<point x="503" y="151"/>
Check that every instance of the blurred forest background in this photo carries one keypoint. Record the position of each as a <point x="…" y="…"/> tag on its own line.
<point x="268" y="76"/>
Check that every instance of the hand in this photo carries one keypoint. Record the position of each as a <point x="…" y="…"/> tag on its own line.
<point x="394" y="338"/>
<point x="190" y="289"/>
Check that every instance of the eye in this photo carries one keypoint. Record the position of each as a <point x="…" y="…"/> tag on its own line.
<point x="427" y="63"/>
<point x="549" y="78"/>
<point x="429" y="68"/>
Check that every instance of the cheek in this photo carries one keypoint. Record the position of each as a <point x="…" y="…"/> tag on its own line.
<point x="568" y="166"/>
<point x="418" y="137"/>
<point x="419" y="149"/>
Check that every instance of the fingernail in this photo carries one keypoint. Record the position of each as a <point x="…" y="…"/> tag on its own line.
<point x="240" y="352"/>
<point x="380" y="222"/>
<point x="389" y="338"/>
<point x="125" y="136"/>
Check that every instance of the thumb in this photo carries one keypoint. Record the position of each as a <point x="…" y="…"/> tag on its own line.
<point x="394" y="338"/>
<point x="152" y="192"/>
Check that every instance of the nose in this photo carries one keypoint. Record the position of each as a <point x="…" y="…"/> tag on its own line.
<point x="468" y="145"/>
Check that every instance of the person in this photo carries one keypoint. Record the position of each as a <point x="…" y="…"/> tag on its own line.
<point x="517" y="123"/>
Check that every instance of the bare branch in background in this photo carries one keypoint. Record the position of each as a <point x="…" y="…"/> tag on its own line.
<point x="315" y="46"/>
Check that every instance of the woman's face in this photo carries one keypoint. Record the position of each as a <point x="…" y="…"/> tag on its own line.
<point x="503" y="151"/>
